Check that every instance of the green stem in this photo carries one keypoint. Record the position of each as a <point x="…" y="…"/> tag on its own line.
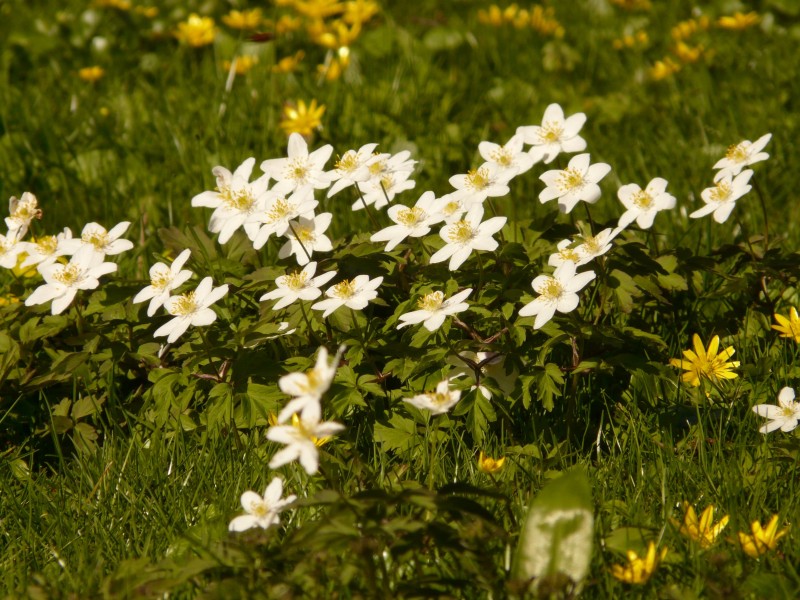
<point x="366" y="207"/>
<point x="299" y="241"/>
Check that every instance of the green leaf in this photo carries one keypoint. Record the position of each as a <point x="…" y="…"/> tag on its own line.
<point x="399" y="434"/>
<point x="558" y="532"/>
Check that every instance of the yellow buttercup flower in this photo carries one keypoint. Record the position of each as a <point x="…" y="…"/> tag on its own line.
<point x="10" y="299"/>
<point x="663" y="69"/>
<point x="318" y="9"/>
<point x="789" y="328"/>
<point x="490" y="465"/>
<point x="91" y="74"/>
<point x="244" y="63"/>
<point x="738" y="21"/>
<point x="359" y="11"/>
<point x="302" y="119"/>
<point x="763" y="539"/>
<point x="639" y="570"/>
<point x="243" y="19"/>
<point x="150" y="12"/>
<point x="491" y="16"/>
<point x="704" y="531"/>
<point x="196" y="31"/>
<point x="711" y="363"/>
<point x="686" y="53"/>
<point x="633" y="4"/>
<point x="288" y="64"/>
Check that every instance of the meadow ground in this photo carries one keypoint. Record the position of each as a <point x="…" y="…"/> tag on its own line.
<point x="124" y="458"/>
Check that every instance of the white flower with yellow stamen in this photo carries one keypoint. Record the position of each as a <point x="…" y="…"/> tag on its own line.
<point x="307" y="235"/>
<point x="235" y="200"/>
<point x="575" y="183"/>
<point x="307" y="388"/>
<point x="468" y="234"/>
<point x="164" y="279"/>
<point x="262" y="511"/>
<point x="10" y="248"/>
<point x="353" y="293"/>
<point x="191" y="308"/>
<point x="64" y="281"/>
<point x="643" y="204"/>
<point x="299" y="168"/>
<point x="105" y="242"/>
<point x="278" y="210"/>
<point x="46" y="249"/>
<point x="509" y="158"/>
<point x="352" y="167"/>
<point x="438" y="402"/>
<point x="410" y="222"/>
<point x="300" y="285"/>
<point x="567" y="252"/>
<point x="785" y="416"/>
<point x="740" y="156"/>
<point x="382" y="190"/>
<point x="450" y="207"/>
<point x="558" y="292"/>
<point x="487" y="181"/>
<point x="434" y="308"/>
<point x="555" y="135"/>
<point x="593" y="246"/>
<point x="721" y="199"/>
<point x="21" y="212"/>
<point x="301" y="438"/>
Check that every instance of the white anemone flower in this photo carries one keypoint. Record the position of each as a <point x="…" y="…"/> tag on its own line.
<point x="105" y="242"/>
<point x="21" y="212"/>
<point x="555" y="135"/>
<point x="450" y="207"/>
<point x="409" y="222"/>
<point x="434" y="309"/>
<point x="299" y="285"/>
<point x="487" y="181"/>
<point x="466" y="235"/>
<point x="382" y="190"/>
<point x="595" y="245"/>
<point x="307" y="388"/>
<point x="164" y="279"/>
<point x="567" y="252"/>
<point x="279" y="210"/>
<point x="64" y="281"/>
<point x="785" y="416"/>
<point x="46" y="249"/>
<point x="558" y="292"/>
<point x="299" y="168"/>
<point x="721" y="199"/>
<point x="10" y="248"/>
<point x="262" y="511"/>
<point x="575" y="183"/>
<point x="353" y="167"/>
<point x="306" y="236"/>
<point x="353" y="293"/>
<point x="511" y="160"/>
<point x="234" y="201"/>
<point x="438" y="402"/>
<point x="301" y="439"/>
<point x="191" y="308"/>
<point x="643" y="204"/>
<point x="742" y="155"/>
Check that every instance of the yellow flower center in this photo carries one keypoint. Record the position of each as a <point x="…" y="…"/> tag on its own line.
<point x="240" y="200"/>
<point x="25" y="211"/>
<point x="461" y="232"/>
<point x="259" y="508"/>
<point x="569" y="254"/>
<point x="305" y="234"/>
<point x="591" y="244"/>
<point x="478" y="179"/>
<point x="161" y="279"/>
<point x="98" y="239"/>
<point x="280" y="209"/>
<point x="788" y="411"/>
<point x="431" y="301"/>
<point x="451" y="207"/>
<point x="552" y="289"/>
<point x="47" y="245"/>
<point x="437" y="398"/>
<point x="344" y="289"/>
<point x="68" y="275"/>
<point x="411" y="217"/>
<point x="642" y="199"/>
<point x="184" y="305"/>
<point x="737" y="152"/>
<point x="377" y="167"/>
<point x="721" y="192"/>
<point x="298" y="424"/>
<point x="295" y="281"/>
<point x="570" y="179"/>
<point x="502" y="157"/>
<point x="551" y="132"/>
<point x="298" y="170"/>
<point x="347" y="163"/>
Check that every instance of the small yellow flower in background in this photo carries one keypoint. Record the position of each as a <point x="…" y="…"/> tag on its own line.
<point x="91" y="74"/>
<point x="318" y="9"/>
<point x="739" y="21"/>
<point x="711" y="363"/>
<point x="686" y="29"/>
<point x="288" y="64"/>
<point x="10" y="299"/>
<point x="491" y="16"/>
<point x="789" y="328"/>
<point x="633" y="4"/>
<point x="243" y="19"/>
<point x="287" y="24"/>
<point x="640" y="38"/>
<point x="639" y="570"/>
<point x="359" y="11"/>
<point x="272" y="419"/>
<point x="490" y="465"/>
<point x="763" y="539"/>
<point x="704" y="531"/>
<point x="196" y="31"/>
<point x="688" y="54"/>
<point x="118" y="4"/>
<point x="19" y="270"/>
<point x="543" y="21"/>
<point x="244" y="63"/>
<point x="150" y="12"/>
<point x="302" y="119"/>
<point x="663" y="69"/>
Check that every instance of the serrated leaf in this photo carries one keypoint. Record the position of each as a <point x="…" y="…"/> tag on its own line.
<point x="399" y="434"/>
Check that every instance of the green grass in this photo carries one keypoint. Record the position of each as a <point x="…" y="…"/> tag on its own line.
<point x="121" y="470"/>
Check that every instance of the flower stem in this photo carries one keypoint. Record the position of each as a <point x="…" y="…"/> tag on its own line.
<point x="299" y="241"/>
<point x="366" y="207"/>
<point x="208" y="352"/>
<point x="763" y="203"/>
